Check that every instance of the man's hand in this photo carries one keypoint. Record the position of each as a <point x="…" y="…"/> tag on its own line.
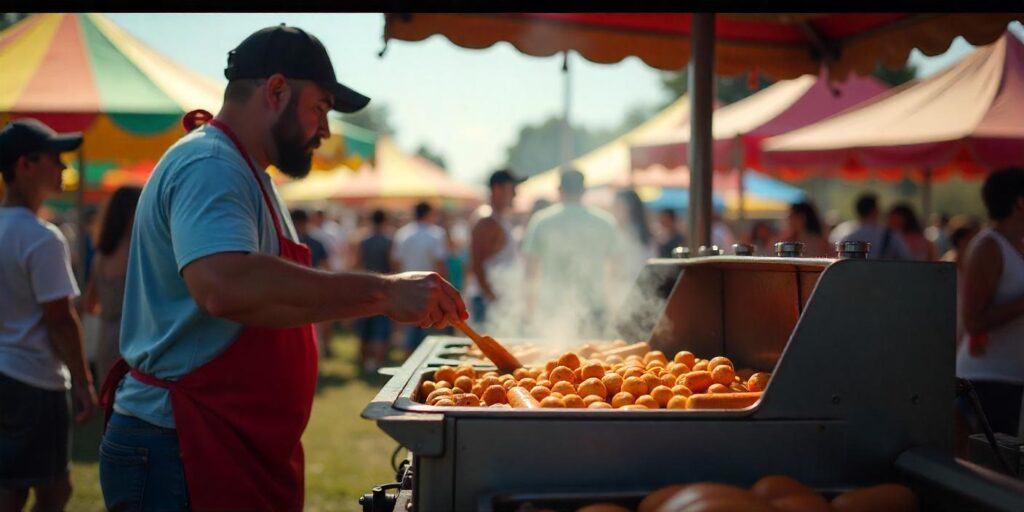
<point x="85" y="402"/>
<point x="425" y="299"/>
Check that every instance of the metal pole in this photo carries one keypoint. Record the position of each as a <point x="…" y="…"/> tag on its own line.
<point x="81" y="240"/>
<point x="701" y="81"/>
<point x="737" y="164"/>
<point x="567" y="143"/>
<point x="926" y="194"/>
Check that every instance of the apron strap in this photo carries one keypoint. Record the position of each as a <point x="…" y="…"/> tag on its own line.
<point x="266" y="196"/>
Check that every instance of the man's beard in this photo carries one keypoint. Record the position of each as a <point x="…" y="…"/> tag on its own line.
<point x="294" y="155"/>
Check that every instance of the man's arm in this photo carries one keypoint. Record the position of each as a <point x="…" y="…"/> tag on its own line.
<point x="485" y="242"/>
<point x="981" y="278"/>
<point x="65" y="333"/>
<point x="263" y="290"/>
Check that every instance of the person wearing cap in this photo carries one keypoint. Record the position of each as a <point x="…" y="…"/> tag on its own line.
<point x="41" y="353"/>
<point x="207" y="407"/>
<point x="571" y="252"/>
<point x="494" y="253"/>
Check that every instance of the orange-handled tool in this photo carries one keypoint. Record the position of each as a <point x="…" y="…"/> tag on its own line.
<point x="498" y="354"/>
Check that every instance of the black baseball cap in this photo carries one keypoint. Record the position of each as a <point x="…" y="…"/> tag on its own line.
<point x="27" y="136"/>
<point x="295" y="54"/>
<point x="503" y="176"/>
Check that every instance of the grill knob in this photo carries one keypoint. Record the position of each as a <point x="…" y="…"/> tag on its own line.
<point x="709" y="251"/>
<point x="789" y="249"/>
<point x="853" y="249"/>
<point x="743" y="249"/>
<point x="681" y="252"/>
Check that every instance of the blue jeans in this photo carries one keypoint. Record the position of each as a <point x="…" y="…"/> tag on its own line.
<point x="414" y="335"/>
<point x="140" y="467"/>
<point x="478" y="310"/>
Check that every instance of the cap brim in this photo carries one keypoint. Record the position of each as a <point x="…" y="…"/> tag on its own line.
<point x="346" y="100"/>
<point x="65" y="142"/>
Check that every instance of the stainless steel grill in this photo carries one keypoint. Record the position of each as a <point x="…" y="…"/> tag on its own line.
<point x="862" y="392"/>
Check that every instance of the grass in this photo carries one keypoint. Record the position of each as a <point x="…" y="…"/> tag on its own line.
<point x="345" y="455"/>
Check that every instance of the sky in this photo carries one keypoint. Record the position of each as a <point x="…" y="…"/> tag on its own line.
<point x="467" y="105"/>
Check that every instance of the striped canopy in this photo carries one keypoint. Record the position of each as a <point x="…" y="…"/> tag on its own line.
<point x="81" y="72"/>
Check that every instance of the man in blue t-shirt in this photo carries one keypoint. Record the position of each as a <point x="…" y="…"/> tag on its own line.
<point x="207" y="266"/>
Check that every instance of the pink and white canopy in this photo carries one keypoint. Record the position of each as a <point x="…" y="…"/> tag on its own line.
<point x="739" y="128"/>
<point x="969" y="118"/>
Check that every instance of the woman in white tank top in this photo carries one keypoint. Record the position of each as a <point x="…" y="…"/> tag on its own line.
<point x="992" y="353"/>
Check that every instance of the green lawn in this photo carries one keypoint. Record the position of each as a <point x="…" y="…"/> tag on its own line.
<point x="345" y="454"/>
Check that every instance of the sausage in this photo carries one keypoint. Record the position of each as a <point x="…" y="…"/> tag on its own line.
<point x="697" y="381"/>
<point x="723" y="400"/>
<point x="520" y="398"/>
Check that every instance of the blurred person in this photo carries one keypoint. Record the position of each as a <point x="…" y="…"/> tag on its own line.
<point x="318" y="259"/>
<point x="89" y="246"/>
<point x="374" y="255"/>
<point x="104" y="293"/>
<point x="420" y="246"/>
<point x="992" y="354"/>
<point x="963" y="229"/>
<point x="318" y="252"/>
<point x="519" y="231"/>
<point x="938" y="232"/>
<point x="572" y="251"/>
<point x="494" y="250"/>
<point x="803" y="225"/>
<point x="762" y="237"/>
<point x="671" y="235"/>
<point x="41" y="353"/>
<point x="332" y="235"/>
<point x="334" y="238"/>
<point x="219" y="363"/>
<point x="631" y="215"/>
<point x="903" y="220"/>
<point x="721" y="233"/>
<point x="885" y="243"/>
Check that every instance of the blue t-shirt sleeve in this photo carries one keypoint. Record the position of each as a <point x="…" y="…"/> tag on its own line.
<point x="211" y="210"/>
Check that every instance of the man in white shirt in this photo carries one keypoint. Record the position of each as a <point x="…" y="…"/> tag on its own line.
<point x="420" y="245"/>
<point x="41" y="353"/>
<point x="886" y="244"/>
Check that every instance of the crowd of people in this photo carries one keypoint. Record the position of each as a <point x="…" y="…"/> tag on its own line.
<point x="214" y="301"/>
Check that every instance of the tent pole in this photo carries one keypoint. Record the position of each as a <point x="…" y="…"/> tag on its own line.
<point x="567" y="150"/>
<point x="80" y="223"/>
<point x="741" y="170"/>
<point x="701" y="81"/>
<point x="926" y="194"/>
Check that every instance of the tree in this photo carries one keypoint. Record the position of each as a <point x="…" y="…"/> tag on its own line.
<point x="539" y="147"/>
<point x="10" y="18"/>
<point x="429" y="154"/>
<point x="375" y="117"/>
<point x="895" y="77"/>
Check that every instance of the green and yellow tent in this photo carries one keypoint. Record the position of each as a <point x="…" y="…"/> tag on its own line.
<point x="81" y="72"/>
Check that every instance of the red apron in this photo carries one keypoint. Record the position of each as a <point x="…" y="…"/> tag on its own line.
<point x="240" y="417"/>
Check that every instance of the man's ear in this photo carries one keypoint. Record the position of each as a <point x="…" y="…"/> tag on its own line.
<point x="277" y="92"/>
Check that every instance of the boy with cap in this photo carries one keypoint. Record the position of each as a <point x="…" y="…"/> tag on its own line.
<point x="494" y="253"/>
<point x="220" y="359"/>
<point x="41" y="354"/>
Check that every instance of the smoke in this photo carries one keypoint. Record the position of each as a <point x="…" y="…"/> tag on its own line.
<point x="579" y="303"/>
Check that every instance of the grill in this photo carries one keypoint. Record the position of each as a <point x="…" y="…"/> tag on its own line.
<point x="862" y="361"/>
